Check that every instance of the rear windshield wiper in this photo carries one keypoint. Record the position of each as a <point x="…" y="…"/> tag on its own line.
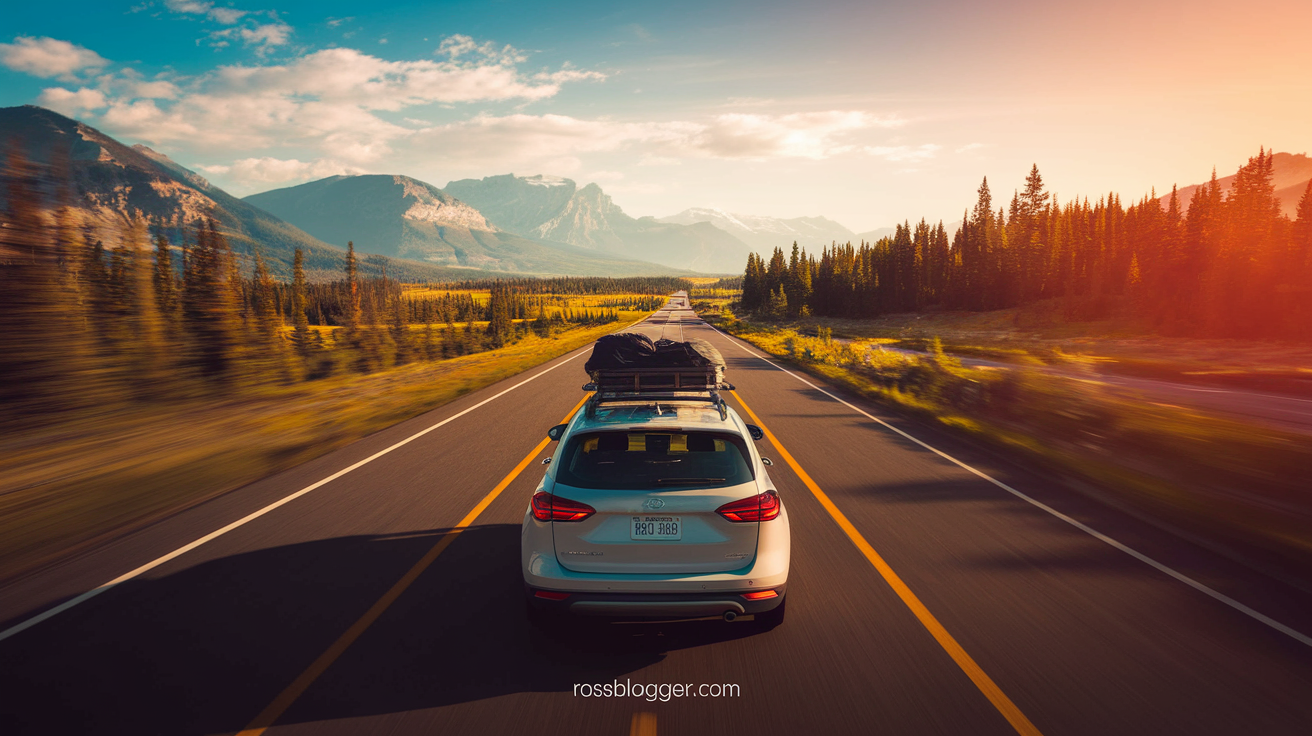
<point x="689" y="481"/>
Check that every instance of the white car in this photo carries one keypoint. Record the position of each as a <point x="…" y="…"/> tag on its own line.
<point x="656" y="505"/>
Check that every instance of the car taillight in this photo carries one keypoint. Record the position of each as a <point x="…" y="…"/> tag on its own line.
<point x="762" y="507"/>
<point x="547" y="507"/>
<point x="760" y="595"/>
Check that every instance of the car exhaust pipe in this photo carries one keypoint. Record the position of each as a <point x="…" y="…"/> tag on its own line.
<point x="730" y="615"/>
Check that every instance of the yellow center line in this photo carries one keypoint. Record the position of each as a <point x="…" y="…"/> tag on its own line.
<point x="643" y="724"/>
<point x="968" y="665"/>
<point x="288" y="696"/>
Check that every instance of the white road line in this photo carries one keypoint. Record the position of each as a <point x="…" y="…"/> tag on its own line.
<point x="1223" y="598"/>
<point x="29" y="623"/>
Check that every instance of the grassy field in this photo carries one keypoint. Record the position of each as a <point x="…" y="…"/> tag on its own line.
<point x="71" y="485"/>
<point x="1233" y="483"/>
<point x="555" y="303"/>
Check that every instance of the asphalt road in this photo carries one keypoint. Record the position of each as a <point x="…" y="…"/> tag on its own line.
<point x="1080" y="636"/>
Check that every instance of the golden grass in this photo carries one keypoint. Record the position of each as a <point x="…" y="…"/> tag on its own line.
<point x="70" y="486"/>
<point x="1036" y="334"/>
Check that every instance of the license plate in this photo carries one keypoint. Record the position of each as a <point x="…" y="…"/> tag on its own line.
<point x="656" y="527"/>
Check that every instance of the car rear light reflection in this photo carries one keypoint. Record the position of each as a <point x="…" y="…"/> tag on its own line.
<point x="547" y="507"/>
<point x="762" y="507"/>
<point x="552" y="595"/>
<point x="760" y="595"/>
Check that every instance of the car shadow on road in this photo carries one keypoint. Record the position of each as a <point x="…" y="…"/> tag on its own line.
<point x="206" y="648"/>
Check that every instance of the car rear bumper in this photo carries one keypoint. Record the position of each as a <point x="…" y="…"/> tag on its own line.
<point x="654" y="606"/>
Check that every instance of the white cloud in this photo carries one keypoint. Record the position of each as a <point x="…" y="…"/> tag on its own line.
<point x="226" y="16"/>
<point x="904" y="153"/>
<point x="569" y="75"/>
<point x="459" y="47"/>
<point x="518" y="139"/>
<point x="49" y="57"/>
<point x="265" y="36"/>
<point x="157" y="90"/>
<point x="970" y="147"/>
<point x="188" y="6"/>
<point x="246" y="26"/>
<point x="326" y="101"/>
<point x="142" y="116"/>
<point x="814" y="135"/>
<point x="268" y="170"/>
<point x="348" y="76"/>
<point x="71" y="103"/>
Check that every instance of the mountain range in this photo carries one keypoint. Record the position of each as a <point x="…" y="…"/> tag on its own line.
<point x="407" y="218"/>
<point x="557" y="209"/>
<point x="764" y="234"/>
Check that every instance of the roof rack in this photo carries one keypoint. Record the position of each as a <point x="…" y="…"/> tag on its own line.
<point x="656" y="384"/>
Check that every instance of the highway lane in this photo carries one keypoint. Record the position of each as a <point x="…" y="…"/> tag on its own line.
<point x="1083" y="638"/>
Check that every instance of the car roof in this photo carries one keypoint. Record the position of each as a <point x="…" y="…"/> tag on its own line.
<point x="642" y="415"/>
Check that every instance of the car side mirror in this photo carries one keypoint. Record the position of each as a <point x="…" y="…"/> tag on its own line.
<point x="755" y="431"/>
<point x="556" y="432"/>
<point x="546" y="461"/>
<point x="767" y="461"/>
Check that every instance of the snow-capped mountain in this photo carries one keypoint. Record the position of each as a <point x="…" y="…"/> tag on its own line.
<point x="764" y="233"/>
<point x="556" y="209"/>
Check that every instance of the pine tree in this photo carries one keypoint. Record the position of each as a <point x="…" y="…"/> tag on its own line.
<point x="1301" y="265"/>
<point x="400" y="329"/>
<point x="269" y="344"/>
<point x="300" y="321"/>
<point x="449" y="340"/>
<point x="542" y="325"/>
<point x="778" y="308"/>
<point x="165" y="281"/>
<point x="774" y="275"/>
<point x="499" y="326"/>
<point x="210" y="304"/>
<point x="146" y="347"/>
<point x="353" y="283"/>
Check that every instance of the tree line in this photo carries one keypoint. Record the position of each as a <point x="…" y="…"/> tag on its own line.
<point x="1226" y="264"/>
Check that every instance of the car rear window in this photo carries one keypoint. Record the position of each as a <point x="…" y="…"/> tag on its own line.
<point x="649" y="460"/>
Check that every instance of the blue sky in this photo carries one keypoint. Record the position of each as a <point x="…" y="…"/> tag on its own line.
<point x="867" y="113"/>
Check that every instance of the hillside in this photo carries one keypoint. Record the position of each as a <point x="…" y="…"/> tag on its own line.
<point x="406" y="218"/>
<point x="556" y="209"/>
